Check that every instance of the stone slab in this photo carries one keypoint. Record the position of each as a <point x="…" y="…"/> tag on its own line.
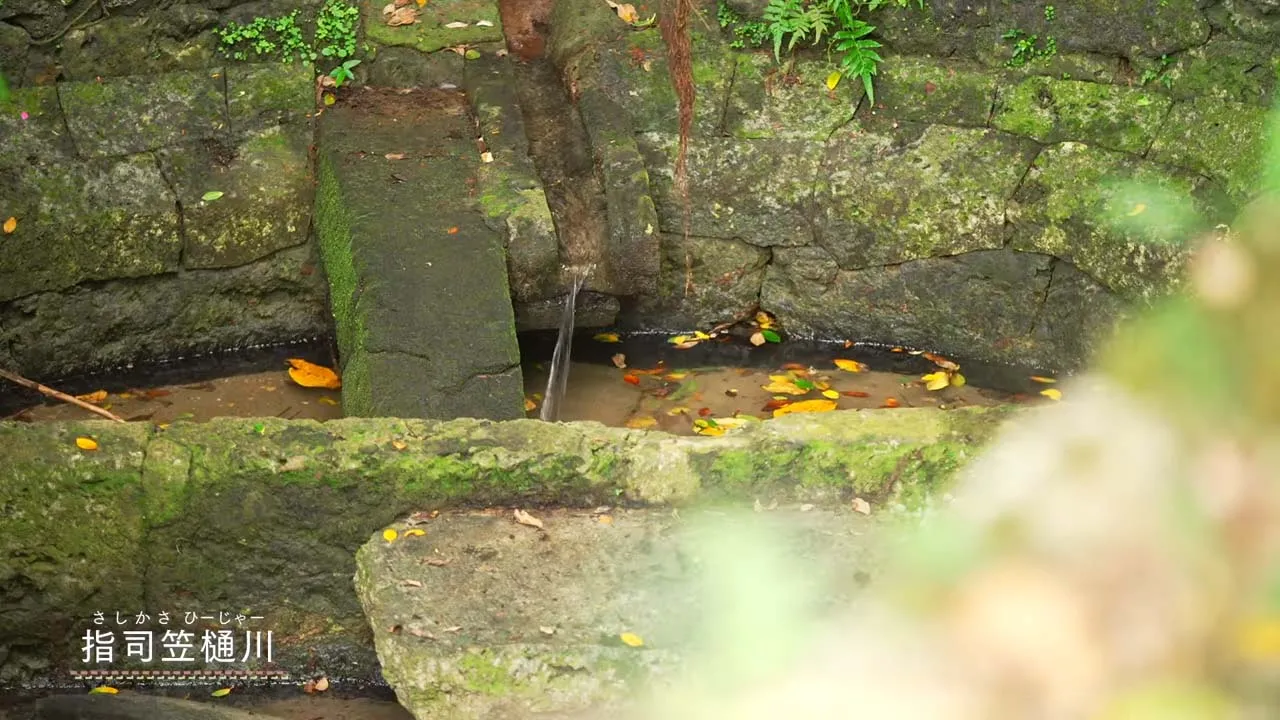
<point x="482" y="617"/>
<point x="431" y="32"/>
<point x="419" y="281"/>
<point x="124" y="115"/>
<point x="264" y="95"/>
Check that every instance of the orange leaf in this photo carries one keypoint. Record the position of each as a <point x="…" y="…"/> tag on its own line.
<point x="891" y="403"/>
<point x="855" y="393"/>
<point x="896" y="349"/>
<point x="453" y="230"/>
<point x="806" y="406"/>
<point x="311" y="375"/>
<point x="94" y="397"/>
<point x="703" y="412"/>
<point x="631" y="379"/>
<point x="852" y="366"/>
<point x="941" y="362"/>
<point x="10" y="225"/>
<point x="775" y="404"/>
<point x="796" y="366"/>
<point x="85" y="443"/>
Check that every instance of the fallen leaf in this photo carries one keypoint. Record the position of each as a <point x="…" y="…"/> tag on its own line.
<point x="484" y="23"/>
<point x="775" y="403"/>
<point x="525" y="518"/>
<point x="641" y="422"/>
<point x="329" y="99"/>
<point x="395" y="156"/>
<point x="896" y="349"/>
<point x="941" y="361"/>
<point x="1052" y="393"/>
<point x="675" y="376"/>
<point x="731" y="392"/>
<point x="1041" y="379"/>
<point x="153" y="394"/>
<point x="390" y="535"/>
<point x="831" y="394"/>
<point x="686" y="345"/>
<point x="861" y="506"/>
<point x="677" y="339"/>
<point x="806" y="406"/>
<point x="631" y="639"/>
<point x="957" y="380"/>
<point x="630" y="378"/>
<point x="322" y="684"/>
<point x="326" y="400"/>
<point x="833" y="80"/>
<point x="10" y="225"/>
<point x="529" y="405"/>
<point x="403" y="16"/>
<point x="103" y="690"/>
<point x="704" y="412"/>
<point x="605" y="519"/>
<point x="606" y="337"/>
<point x="891" y="403"/>
<point x="619" y="361"/>
<point x="388" y="9"/>
<point x="457" y="25"/>
<point x="1137" y="209"/>
<point x="95" y="397"/>
<point x="757" y="339"/>
<point x="848" y="344"/>
<point x="771" y="336"/>
<point x="411" y="583"/>
<point x="678" y="411"/>
<point x="787" y="388"/>
<point x="855" y="393"/>
<point x="707" y="426"/>
<point x="547" y="630"/>
<point x="415" y="532"/>
<point x="309" y="374"/>
<point x="399" y="444"/>
<point x="211" y="195"/>
<point x="627" y="13"/>
<point x="936" y="380"/>
<point x="309" y="686"/>
<point x="453" y="230"/>
<point x="85" y="443"/>
<point x="221" y="692"/>
<point x="486" y="157"/>
<point x="852" y="366"/>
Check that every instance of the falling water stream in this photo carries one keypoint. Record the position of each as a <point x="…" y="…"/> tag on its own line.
<point x="558" y="379"/>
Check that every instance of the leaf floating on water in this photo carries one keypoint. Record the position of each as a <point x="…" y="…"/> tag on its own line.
<point x="1138" y="209"/>
<point x="322" y="684"/>
<point x="619" y="361"/>
<point x="675" y="376"/>
<point x="525" y="518"/>
<point x="211" y="195"/>
<point x="631" y="639"/>
<point x="1052" y="393"/>
<point x="830" y="394"/>
<point x="607" y="337"/>
<point x="775" y="403"/>
<point x="784" y="386"/>
<point x="390" y="535"/>
<point x="326" y="400"/>
<point x="957" y="380"/>
<point x="936" y="380"/>
<point x="309" y="374"/>
<point x="88" y="444"/>
<point x="855" y="393"/>
<point x="806" y="406"/>
<point x="94" y="397"/>
<point x="1042" y="379"/>
<point x="686" y="345"/>
<point x="707" y="426"/>
<point x="104" y="690"/>
<point x="757" y="339"/>
<point x="221" y="692"/>
<point x="852" y="366"/>
<point x="10" y="225"/>
<point x="861" y="506"/>
<point x="641" y="422"/>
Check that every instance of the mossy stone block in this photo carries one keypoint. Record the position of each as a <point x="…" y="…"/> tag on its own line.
<point x="120" y="116"/>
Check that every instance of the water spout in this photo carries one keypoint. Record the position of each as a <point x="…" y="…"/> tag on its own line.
<point x="558" y="379"/>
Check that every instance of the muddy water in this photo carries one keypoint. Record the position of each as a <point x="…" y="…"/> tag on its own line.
<point x="277" y="703"/>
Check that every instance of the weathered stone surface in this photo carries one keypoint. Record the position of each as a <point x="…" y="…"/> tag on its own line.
<point x="981" y="304"/>
<point x="133" y="707"/>
<point x="429" y="33"/>
<point x="261" y="96"/>
<point x="592" y="310"/>
<point x="403" y="67"/>
<point x="298" y="498"/>
<point x="393" y="261"/>
<point x="1227" y="69"/>
<point x="760" y="191"/>
<point x="1077" y="317"/>
<point x="42" y="136"/>
<point x="1222" y="140"/>
<point x="1072" y="207"/>
<point x="1110" y="27"/>
<point x="1244" y="19"/>
<point x="1109" y="116"/>
<point x="586" y="582"/>
<point x="178" y="38"/>
<point x="723" y="279"/>
<point x="576" y="25"/>
<point x="266" y="200"/>
<point x="14" y="42"/>
<point x="41" y="18"/>
<point x="126" y="115"/>
<point x="93" y="220"/>
<point x="928" y="90"/>
<point x="885" y="197"/>
<point x="769" y="100"/>
<point x="90" y="327"/>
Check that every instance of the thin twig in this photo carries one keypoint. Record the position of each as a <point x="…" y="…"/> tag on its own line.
<point x="58" y="395"/>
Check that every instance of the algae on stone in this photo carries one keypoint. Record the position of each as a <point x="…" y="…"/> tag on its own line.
<point x="264" y="95"/>
<point x="430" y="34"/>
<point x="1109" y="116"/>
<point x="1222" y="140"/>
<point x="792" y="101"/>
<point x="124" y="115"/>
<point x="723" y="277"/>
<point x="40" y="136"/>
<point x="928" y="90"/>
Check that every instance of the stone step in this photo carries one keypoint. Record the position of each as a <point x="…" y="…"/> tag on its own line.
<point x="483" y="617"/>
<point x="418" y="280"/>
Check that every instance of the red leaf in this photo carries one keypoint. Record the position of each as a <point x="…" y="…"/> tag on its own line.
<point x="775" y="404"/>
<point x="891" y="403"/>
<point x="634" y="380"/>
<point x="855" y="393"/>
<point x="703" y="412"/>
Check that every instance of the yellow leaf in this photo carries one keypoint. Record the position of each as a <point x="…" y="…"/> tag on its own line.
<point x="627" y="12"/>
<point x="311" y="375"/>
<point x="678" y="411"/>
<point x="85" y="443"/>
<point x="702" y="427"/>
<point x="1041" y="379"/>
<point x="103" y="690"/>
<point x="678" y="339"/>
<point x="390" y="535"/>
<point x="605" y="519"/>
<point x="421" y="2"/>
<point x="221" y="692"/>
<point x="326" y="400"/>
<point x="641" y="422"/>
<point x="957" y="380"/>
<point x="852" y="366"/>
<point x="606" y="337"/>
<point x="631" y="639"/>
<point x="833" y="80"/>
<point x="1052" y="393"/>
<point x="783" y="387"/>
<point x="675" y="376"/>
<point x="94" y="397"/>
<point x="399" y="444"/>
<point x="1137" y="209"/>
<point x="415" y="532"/>
<point x="764" y="320"/>
<point x="10" y="225"/>
<point x="686" y="345"/>
<point x="805" y="406"/>
<point x="936" y="380"/>
<point x="619" y="361"/>
<point x="323" y="683"/>
<point x="699" y="335"/>
<point x="832" y="394"/>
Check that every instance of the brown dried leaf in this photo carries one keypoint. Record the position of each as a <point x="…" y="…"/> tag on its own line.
<point x="525" y="518"/>
<point x="620" y="361"/>
<point x="403" y="16"/>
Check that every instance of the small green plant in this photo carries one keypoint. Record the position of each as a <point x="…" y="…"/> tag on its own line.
<point x="1158" y="72"/>
<point x="1028" y="48"/>
<point x="266" y="38"/>
<point x="745" y="33"/>
<point x="336" y="29"/>
<point x="1050" y="12"/>
<point x="342" y="73"/>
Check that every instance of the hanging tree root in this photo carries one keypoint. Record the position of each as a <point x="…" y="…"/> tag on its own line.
<point x="675" y="35"/>
<point x="58" y="395"/>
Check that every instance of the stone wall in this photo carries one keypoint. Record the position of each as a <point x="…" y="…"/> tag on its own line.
<point x="963" y="209"/>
